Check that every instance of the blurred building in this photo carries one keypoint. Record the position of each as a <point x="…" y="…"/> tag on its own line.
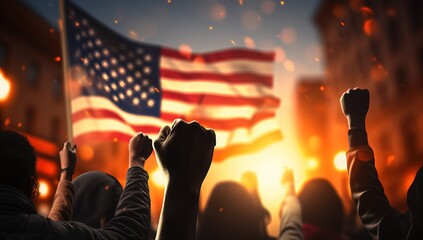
<point x="30" y="60"/>
<point x="378" y="45"/>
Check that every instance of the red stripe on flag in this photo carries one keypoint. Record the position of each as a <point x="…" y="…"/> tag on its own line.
<point x="219" y="100"/>
<point x="237" y="78"/>
<point x="101" y="136"/>
<point x="225" y="125"/>
<point x="231" y="54"/>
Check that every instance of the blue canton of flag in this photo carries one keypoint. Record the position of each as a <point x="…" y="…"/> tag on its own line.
<point x="125" y="72"/>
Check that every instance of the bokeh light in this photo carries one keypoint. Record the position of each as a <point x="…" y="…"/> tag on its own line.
<point x="159" y="178"/>
<point x="340" y="161"/>
<point x="4" y="87"/>
<point x="288" y="35"/>
<point x="44" y="188"/>
<point x="218" y="12"/>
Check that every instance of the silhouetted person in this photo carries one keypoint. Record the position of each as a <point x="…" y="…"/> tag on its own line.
<point x="291" y="224"/>
<point x="231" y="213"/>
<point x="19" y="218"/>
<point x="184" y="151"/>
<point x="97" y="195"/>
<point x="378" y="217"/>
<point x="322" y="210"/>
<point x="250" y="182"/>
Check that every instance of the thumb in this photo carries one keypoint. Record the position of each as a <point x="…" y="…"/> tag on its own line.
<point x="161" y="138"/>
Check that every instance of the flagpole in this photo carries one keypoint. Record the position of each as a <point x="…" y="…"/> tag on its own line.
<point x="65" y="61"/>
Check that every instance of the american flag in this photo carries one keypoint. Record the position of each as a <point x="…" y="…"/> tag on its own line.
<point x="120" y="87"/>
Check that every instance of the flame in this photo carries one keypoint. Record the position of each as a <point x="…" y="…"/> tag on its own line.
<point x="4" y="87"/>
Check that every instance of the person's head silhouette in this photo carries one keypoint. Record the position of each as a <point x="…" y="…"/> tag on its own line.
<point x="96" y="198"/>
<point x="321" y="206"/>
<point x="231" y="213"/>
<point x="17" y="163"/>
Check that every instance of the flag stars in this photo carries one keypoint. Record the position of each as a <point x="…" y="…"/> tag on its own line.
<point x="145" y="82"/>
<point x="113" y="61"/>
<point x="107" y="88"/>
<point x="91" y="32"/>
<point x="105" y="64"/>
<point x="139" y="51"/>
<point x="130" y="66"/>
<point x="122" y="57"/>
<point x="138" y="62"/>
<point x="83" y="34"/>
<point x="105" y="76"/>
<point x="114" y="86"/>
<point x="147" y="70"/>
<point x="78" y="37"/>
<point x="106" y="52"/>
<point x="138" y="74"/>
<point x="147" y="58"/>
<point x="135" y="101"/>
<point x="122" y="83"/>
<point x="90" y="44"/>
<point x="84" y="22"/>
<point x="151" y="90"/>
<point x="97" y="54"/>
<point x="122" y="70"/>
<point x="130" y="79"/>
<point x="131" y="55"/>
<point x="129" y="92"/>
<point x="97" y="66"/>
<point x="137" y="87"/>
<point x="150" y="103"/>
<point x="115" y="98"/>
<point x="121" y="96"/>
<point x="113" y="73"/>
<point x="98" y="42"/>
<point x="144" y="95"/>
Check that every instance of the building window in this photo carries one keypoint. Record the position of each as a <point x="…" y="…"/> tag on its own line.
<point x="401" y="78"/>
<point x="32" y="74"/>
<point x="30" y="119"/>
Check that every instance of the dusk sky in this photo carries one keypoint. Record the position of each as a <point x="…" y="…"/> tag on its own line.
<point x="205" y="25"/>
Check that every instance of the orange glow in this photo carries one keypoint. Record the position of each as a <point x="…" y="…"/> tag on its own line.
<point x="159" y="178"/>
<point x="289" y="65"/>
<point x="47" y="167"/>
<point x="185" y="50"/>
<point x="312" y="163"/>
<point x="4" y="87"/>
<point x="44" y="189"/>
<point x="342" y="24"/>
<point x="218" y="12"/>
<point x="366" y="11"/>
<point x="43" y="146"/>
<point x="6" y="122"/>
<point x="85" y="152"/>
<point x="249" y="42"/>
<point x="19" y="124"/>
<point x="288" y="35"/>
<point x="279" y="54"/>
<point x="57" y="59"/>
<point x="370" y="27"/>
<point x="340" y="161"/>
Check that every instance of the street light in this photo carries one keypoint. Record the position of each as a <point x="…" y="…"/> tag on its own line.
<point x="4" y="87"/>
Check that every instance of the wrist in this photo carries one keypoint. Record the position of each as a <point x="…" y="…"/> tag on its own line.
<point x="357" y="122"/>
<point x="183" y="187"/>
<point x="136" y="161"/>
<point x="66" y="175"/>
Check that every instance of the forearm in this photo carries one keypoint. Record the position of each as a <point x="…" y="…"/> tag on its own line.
<point x="132" y="216"/>
<point x="290" y="227"/>
<point x="179" y="214"/>
<point x="61" y="209"/>
<point x="367" y="192"/>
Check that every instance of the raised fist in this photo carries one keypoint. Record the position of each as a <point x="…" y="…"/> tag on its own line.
<point x="140" y="148"/>
<point x="185" y="153"/>
<point x="355" y="104"/>
<point x="68" y="159"/>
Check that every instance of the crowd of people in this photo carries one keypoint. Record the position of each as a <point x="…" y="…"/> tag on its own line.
<point x="96" y="206"/>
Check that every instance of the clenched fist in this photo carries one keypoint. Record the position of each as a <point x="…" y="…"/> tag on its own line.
<point x="140" y="148"/>
<point x="355" y="104"/>
<point x="185" y="152"/>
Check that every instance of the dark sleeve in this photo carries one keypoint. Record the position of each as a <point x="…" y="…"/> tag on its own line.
<point x="132" y="219"/>
<point x="290" y="227"/>
<point x="376" y="214"/>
